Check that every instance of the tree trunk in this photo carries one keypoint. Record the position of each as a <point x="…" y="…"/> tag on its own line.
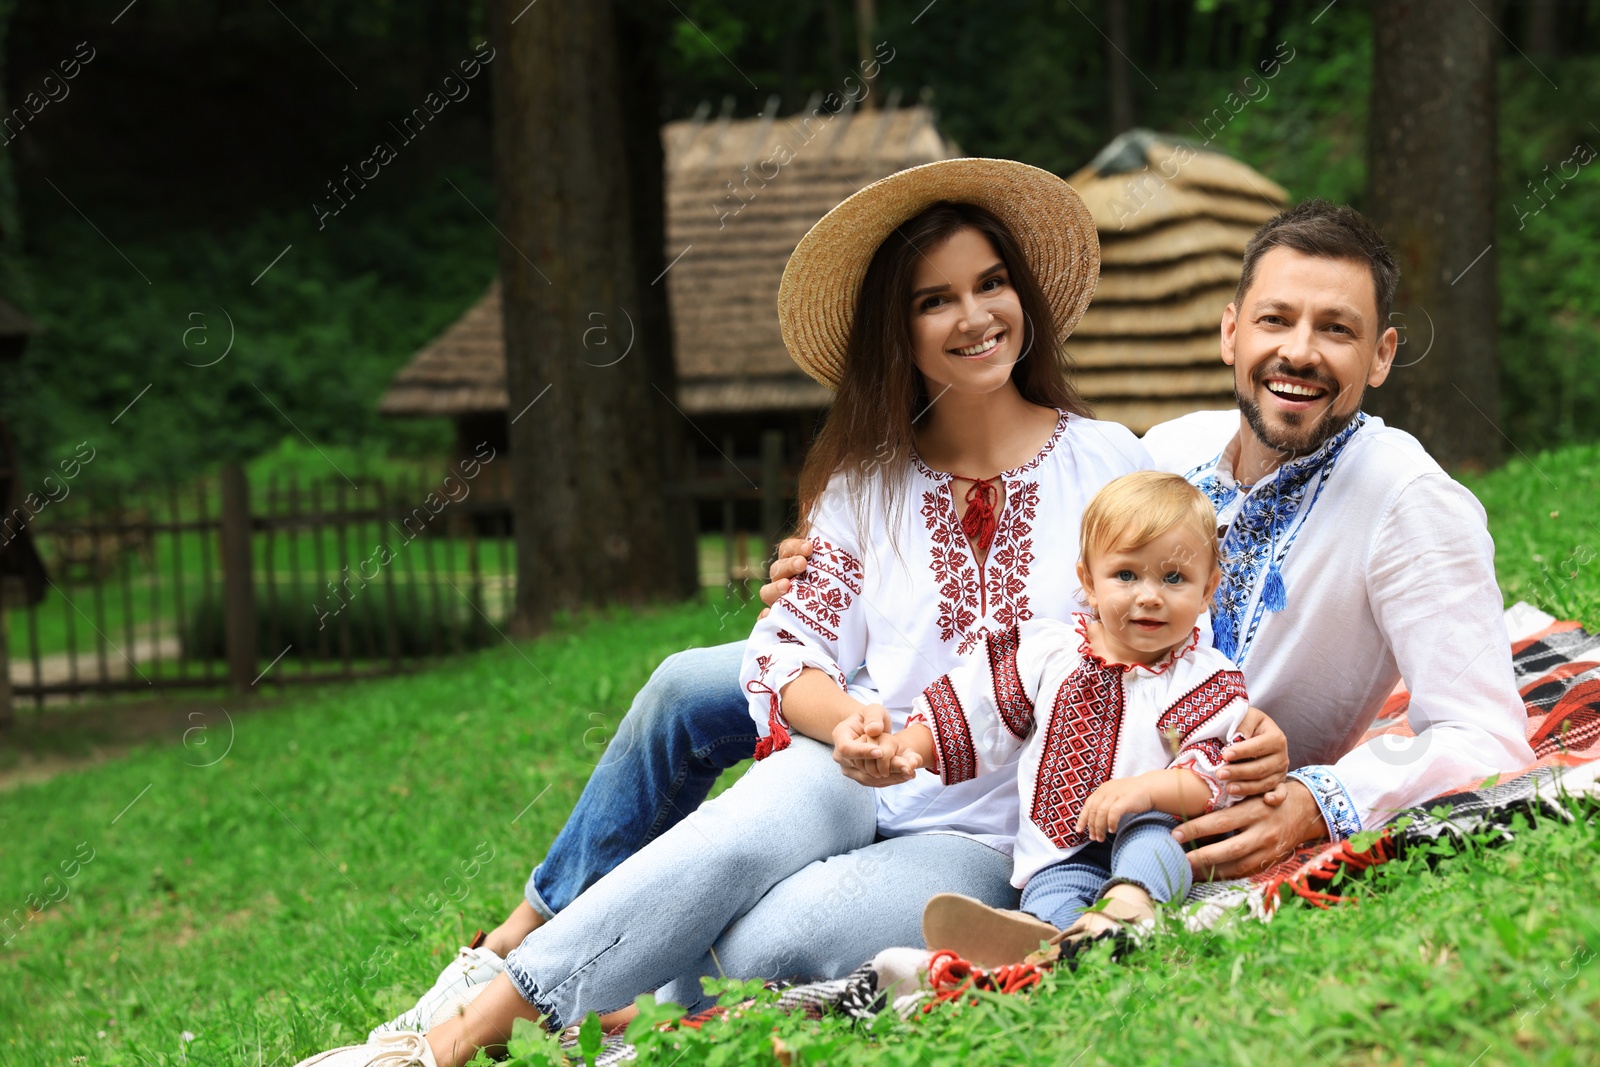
<point x="588" y="353"/>
<point x="1431" y="191"/>
<point x="1119" y="85"/>
<point x="1544" y="40"/>
<point x="866" y="29"/>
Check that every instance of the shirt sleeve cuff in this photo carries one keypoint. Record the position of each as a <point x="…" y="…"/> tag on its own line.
<point x="1333" y="800"/>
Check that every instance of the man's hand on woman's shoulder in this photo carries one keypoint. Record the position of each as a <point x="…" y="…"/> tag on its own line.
<point x="791" y="562"/>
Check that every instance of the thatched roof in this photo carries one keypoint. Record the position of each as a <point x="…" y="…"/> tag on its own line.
<point x="724" y="290"/>
<point x="1173" y="220"/>
<point x="740" y="194"/>
<point x="461" y="371"/>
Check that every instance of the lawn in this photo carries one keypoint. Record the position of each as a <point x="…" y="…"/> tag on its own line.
<point x="250" y="908"/>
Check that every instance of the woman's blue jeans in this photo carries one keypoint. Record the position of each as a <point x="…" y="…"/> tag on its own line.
<point x="687" y="725"/>
<point x="781" y="876"/>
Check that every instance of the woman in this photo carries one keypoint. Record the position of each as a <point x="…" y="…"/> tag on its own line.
<point x="944" y="496"/>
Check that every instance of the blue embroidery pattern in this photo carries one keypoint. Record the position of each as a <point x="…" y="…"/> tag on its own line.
<point x="1338" y="810"/>
<point x="1260" y="536"/>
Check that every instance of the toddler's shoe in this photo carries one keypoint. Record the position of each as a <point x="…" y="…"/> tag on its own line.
<point x="988" y="937"/>
<point x="1128" y="922"/>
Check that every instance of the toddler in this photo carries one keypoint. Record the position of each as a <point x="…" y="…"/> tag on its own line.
<point x="1121" y="716"/>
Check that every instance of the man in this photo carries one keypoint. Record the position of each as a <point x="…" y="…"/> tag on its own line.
<point x="1354" y="561"/>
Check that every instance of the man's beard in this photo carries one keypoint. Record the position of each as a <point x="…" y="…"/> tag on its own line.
<point x="1297" y="437"/>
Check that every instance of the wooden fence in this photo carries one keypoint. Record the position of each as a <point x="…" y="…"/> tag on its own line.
<point x="223" y="584"/>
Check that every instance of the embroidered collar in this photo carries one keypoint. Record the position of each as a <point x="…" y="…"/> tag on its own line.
<point x="1049" y="446"/>
<point x="1091" y="656"/>
<point x="1265" y="522"/>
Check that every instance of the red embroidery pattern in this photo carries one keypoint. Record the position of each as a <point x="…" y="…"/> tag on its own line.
<point x="1006" y="570"/>
<point x="1080" y="748"/>
<point x="953" y="570"/>
<point x="954" y="753"/>
<point x="822" y="594"/>
<point x="1010" y="698"/>
<point x="788" y="638"/>
<point x="1208" y="749"/>
<point x="832" y="559"/>
<point x="1201" y="704"/>
<point x="965" y="594"/>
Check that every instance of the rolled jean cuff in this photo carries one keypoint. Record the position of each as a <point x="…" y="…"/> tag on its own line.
<point x="535" y="900"/>
<point x="523" y="982"/>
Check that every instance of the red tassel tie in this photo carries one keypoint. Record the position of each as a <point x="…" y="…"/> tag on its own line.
<point x="777" y="738"/>
<point x="979" y="522"/>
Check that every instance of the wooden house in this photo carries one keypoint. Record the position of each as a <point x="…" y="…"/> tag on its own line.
<point x="1173" y="221"/>
<point x="740" y="194"/>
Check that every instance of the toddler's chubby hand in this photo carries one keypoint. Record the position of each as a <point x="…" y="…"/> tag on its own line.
<point x="1107" y="805"/>
<point x="901" y="752"/>
<point x="859" y="748"/>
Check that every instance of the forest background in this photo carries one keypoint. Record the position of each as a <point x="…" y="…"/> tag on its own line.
<point x="199" y="136"/>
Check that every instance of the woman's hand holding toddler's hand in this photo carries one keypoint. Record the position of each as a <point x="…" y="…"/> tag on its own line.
<point x="859" y="748"/>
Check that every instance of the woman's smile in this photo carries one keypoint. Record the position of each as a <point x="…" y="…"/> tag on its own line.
<point x="982" y="349"/>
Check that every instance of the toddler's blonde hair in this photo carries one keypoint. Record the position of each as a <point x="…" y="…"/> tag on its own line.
<point x="1135" y="509"/>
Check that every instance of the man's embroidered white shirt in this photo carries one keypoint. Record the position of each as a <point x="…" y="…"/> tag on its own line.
<point x="1390" y="574"/>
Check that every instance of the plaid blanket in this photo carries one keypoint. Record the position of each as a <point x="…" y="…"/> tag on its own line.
<point x="1557" y="668"/>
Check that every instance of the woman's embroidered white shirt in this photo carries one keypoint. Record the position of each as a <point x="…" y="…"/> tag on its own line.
<point x="905" y="599"/>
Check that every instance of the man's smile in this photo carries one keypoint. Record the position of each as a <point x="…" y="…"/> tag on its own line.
<point x="1295" y="394"/>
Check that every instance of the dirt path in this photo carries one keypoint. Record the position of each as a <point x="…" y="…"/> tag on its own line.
<point x="57" y="668"/>
<point x="57" y="739"/>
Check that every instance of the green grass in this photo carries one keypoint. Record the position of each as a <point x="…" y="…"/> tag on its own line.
<point x="284" y="898"/>
<point x="1544" y="511"/>
<point x="1490" y="954"/>
<point x="229" y="899"/>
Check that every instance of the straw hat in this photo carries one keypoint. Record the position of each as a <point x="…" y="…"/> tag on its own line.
<point x="817" y="298"/>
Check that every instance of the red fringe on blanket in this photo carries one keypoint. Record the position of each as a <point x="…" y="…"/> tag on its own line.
<point x="1322" y="868"/>
<point x="951" y="977"/>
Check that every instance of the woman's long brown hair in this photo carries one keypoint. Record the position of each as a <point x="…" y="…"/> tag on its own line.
<point x="872" y="421"/>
